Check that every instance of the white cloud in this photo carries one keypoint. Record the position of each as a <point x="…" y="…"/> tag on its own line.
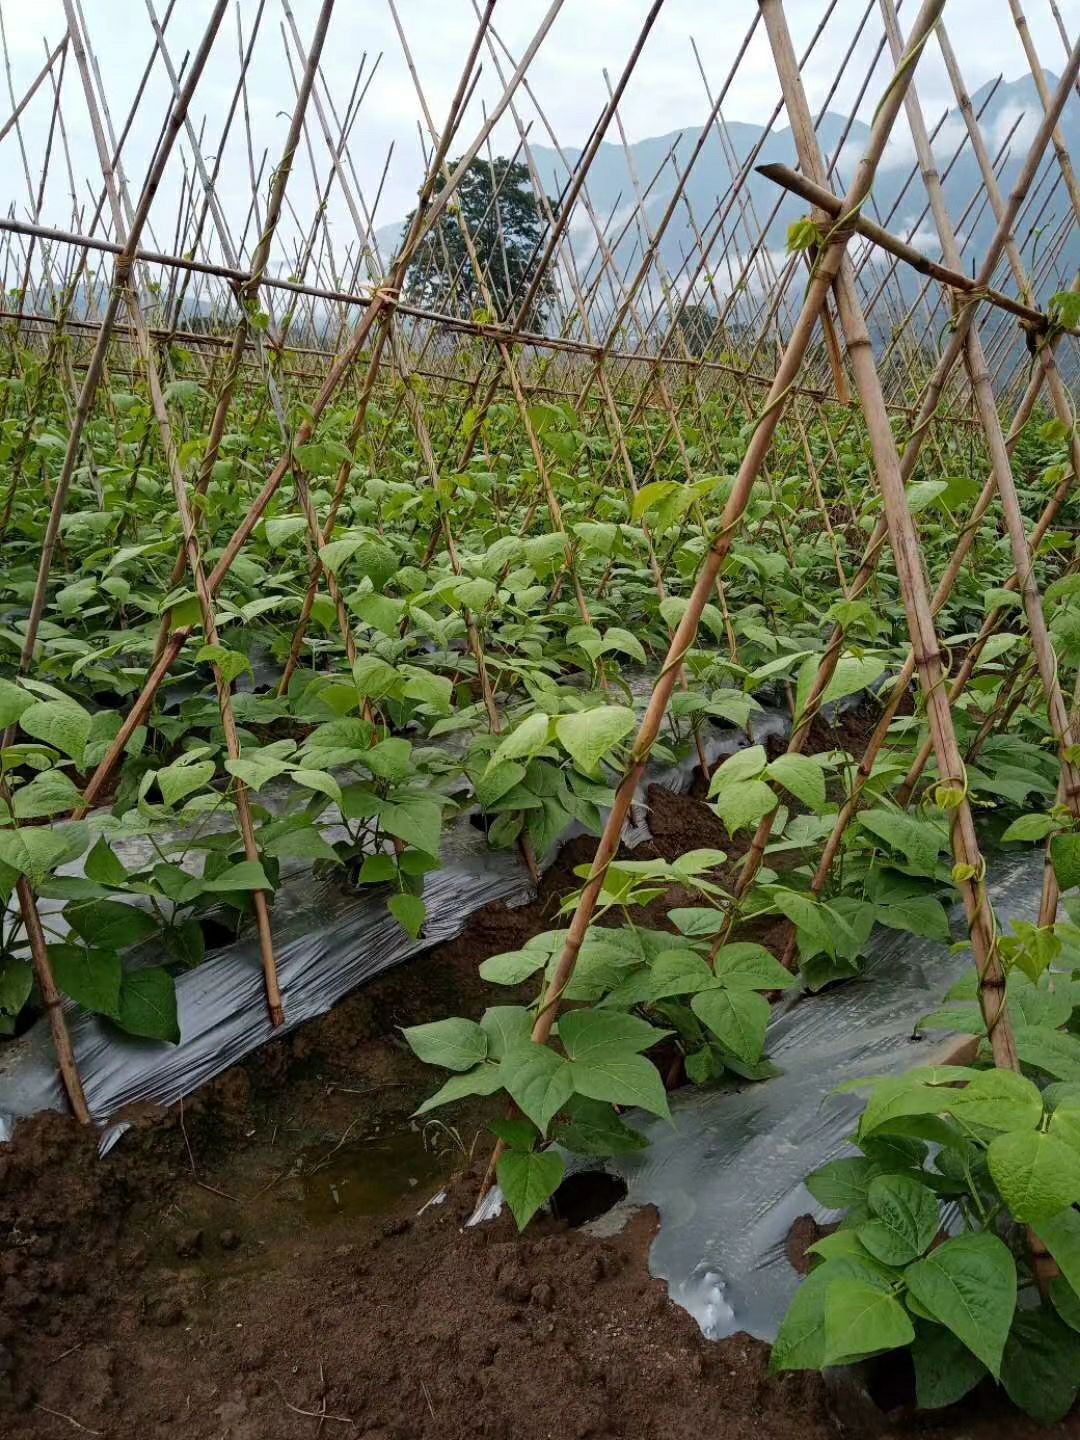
<point x="1026" y="122"/>
<point x="948" y="139"/>
<point x="926" y="240"/>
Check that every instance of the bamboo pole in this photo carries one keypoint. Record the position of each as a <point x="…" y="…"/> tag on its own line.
<point x="916" y="439"/>
<point x="27" y="903"/>
<point x="427" y="212"/>
<point x="1001" y="469"/>
<point x="35" y="84"/>
<point x="248" y="296"/>
<point x="51" y="1000"/>
<point x="828" y="268"/>
<point x="905" y="547"/>
<point x="194" y="561"/>
<point x="990" y="626"/>
<point x="959" y="336"/>
<point x="121" y="277"/>
<point x="1047" y="370"/>
<point x="823" y="199"/>
<point x="1068" y="792"/>
<point x="1061" y="150"/>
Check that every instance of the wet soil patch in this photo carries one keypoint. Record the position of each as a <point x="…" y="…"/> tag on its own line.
<point x="405" y="1327"/>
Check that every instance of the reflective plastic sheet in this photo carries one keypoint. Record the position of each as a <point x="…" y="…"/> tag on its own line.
<point x="327" y="942"/>
<point x="727" y="1178"/>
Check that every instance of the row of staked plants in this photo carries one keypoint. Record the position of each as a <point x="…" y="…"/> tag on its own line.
<point x="357" y="771"/>
<point x="965" y="1176"/>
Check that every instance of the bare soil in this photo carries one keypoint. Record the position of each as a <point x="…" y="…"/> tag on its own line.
<point x="257" y="1264"/>
<point x="852" y="728"/>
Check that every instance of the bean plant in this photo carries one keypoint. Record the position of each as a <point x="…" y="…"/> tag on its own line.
<point x="497" y="684"/>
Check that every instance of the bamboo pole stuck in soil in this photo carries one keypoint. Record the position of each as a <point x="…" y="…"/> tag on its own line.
<point x="905" y="546"/>
<point x="51" y="1000"/>
<point x="828" y="268"/>
<point x="27" y="903"/>
<point x="194" y="563"/>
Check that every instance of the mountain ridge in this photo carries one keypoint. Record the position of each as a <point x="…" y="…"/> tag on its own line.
<point x="612" y="190"/>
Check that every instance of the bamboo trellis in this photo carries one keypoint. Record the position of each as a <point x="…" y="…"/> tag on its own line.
<point x="898" y="344"/>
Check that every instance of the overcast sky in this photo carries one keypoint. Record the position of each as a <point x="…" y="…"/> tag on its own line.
<point x="665" y="92"/>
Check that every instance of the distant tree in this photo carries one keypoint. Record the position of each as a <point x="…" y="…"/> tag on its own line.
<point x="502" y="214"/>
<point x="700" y="329"/>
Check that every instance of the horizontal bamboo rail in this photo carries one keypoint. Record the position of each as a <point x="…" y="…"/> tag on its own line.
<point x="825" y="200"/>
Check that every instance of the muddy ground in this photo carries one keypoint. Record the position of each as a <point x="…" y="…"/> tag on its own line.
<point x="253" y="1265"/>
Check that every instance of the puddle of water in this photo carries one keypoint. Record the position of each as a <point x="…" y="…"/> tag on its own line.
<point x="369" y="1177"/>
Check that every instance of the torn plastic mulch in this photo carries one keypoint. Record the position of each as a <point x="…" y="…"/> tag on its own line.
<point x="727" y="1177"/>
<point x="327" y="942"/>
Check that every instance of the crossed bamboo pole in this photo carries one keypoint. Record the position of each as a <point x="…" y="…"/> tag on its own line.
<point x="192" y="552"/>
<point x="908" y="460"/>
<point x="121" y="278"/>
<point x="247" y="304"/>
<point x="604" y="305"/>
<point x="904" y="543"/>
<point x="609" y="409"/>
<point x="827" y="269"/>
<point x="1047" y="369"/>
<point x="627" y="306"/>
<point x="205" y="585"/>
<point x="427" y="213"/>
<point x="27" y="900"/>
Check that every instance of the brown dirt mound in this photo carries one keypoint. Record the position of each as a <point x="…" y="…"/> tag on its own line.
<point x="679" y="823"/>
<point x="852" y="729"/>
